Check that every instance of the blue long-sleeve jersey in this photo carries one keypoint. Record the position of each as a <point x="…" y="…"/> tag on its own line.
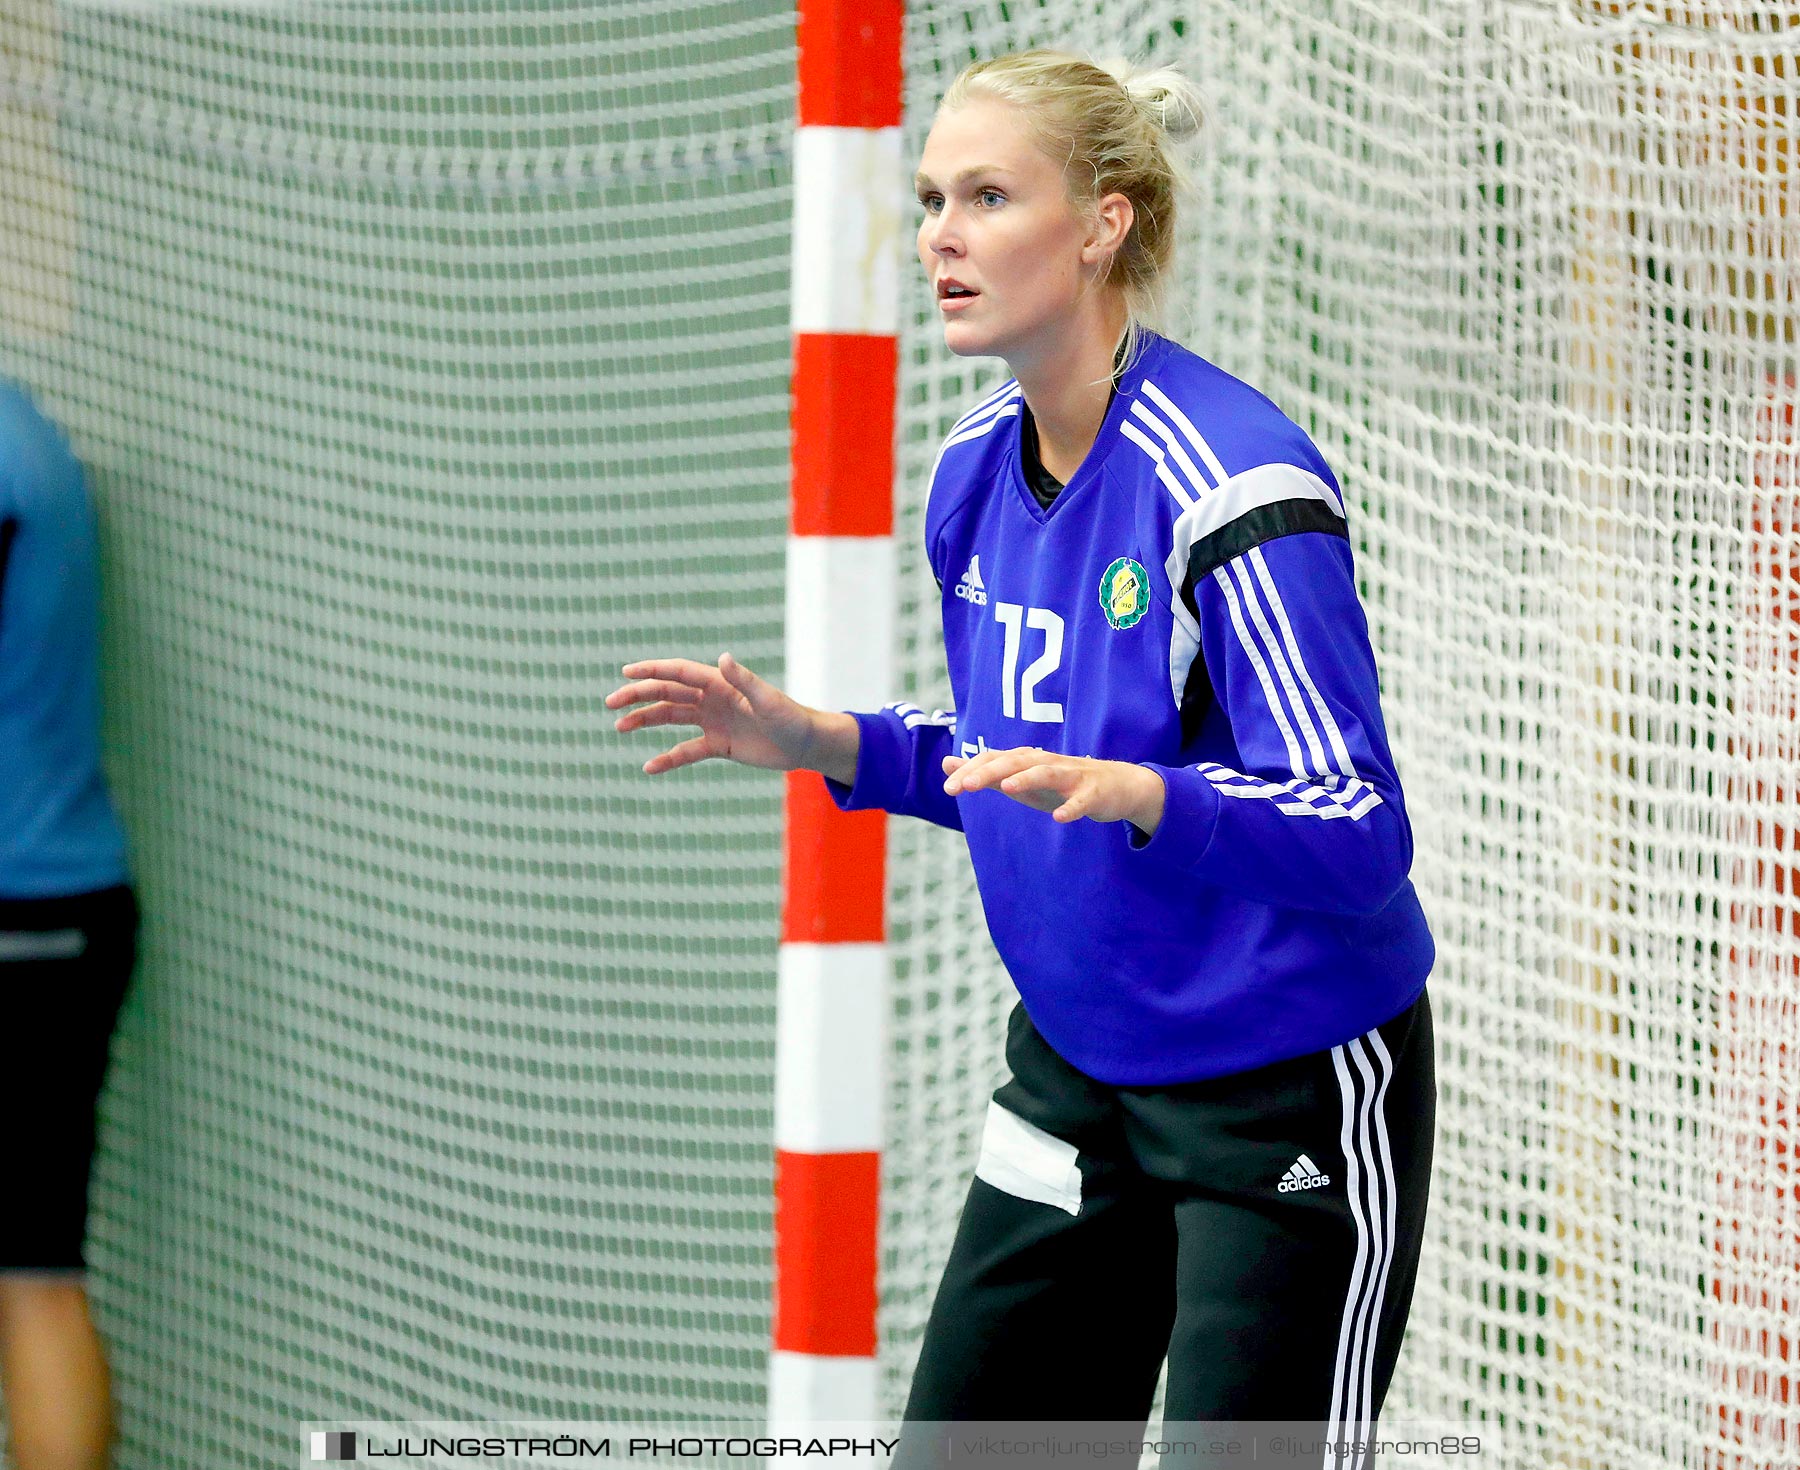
<point x="1188" y="603"/>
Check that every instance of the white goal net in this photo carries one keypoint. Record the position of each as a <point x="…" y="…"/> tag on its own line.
<point x="1527" y="273"/>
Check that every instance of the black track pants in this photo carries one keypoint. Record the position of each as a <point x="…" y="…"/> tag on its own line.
<point x="1261" y="1229"/>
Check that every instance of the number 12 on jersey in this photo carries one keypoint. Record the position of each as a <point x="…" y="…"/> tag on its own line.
<point x="1020" y="702"/>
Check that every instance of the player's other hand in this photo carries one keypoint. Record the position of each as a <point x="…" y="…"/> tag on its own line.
<point x="1069" y="787"/>
<point x="740" y="717"/>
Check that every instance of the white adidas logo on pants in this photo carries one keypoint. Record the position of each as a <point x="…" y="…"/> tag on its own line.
<point x="1303" y="1173"/>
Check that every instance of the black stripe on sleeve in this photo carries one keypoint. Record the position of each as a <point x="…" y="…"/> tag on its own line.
<point x="1196" y="698"/>
<point x="1255" y="526"/>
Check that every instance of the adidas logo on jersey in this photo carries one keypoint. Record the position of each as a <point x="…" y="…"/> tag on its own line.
<point x="1303" y="1173"/>
<point x="972" y="588"/>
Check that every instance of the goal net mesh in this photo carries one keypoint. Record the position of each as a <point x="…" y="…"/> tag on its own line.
<point x="1526" y="273"/>
<point x="430" y="362"/>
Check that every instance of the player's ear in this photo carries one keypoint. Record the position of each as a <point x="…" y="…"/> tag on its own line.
<point x="1108" y="226"/>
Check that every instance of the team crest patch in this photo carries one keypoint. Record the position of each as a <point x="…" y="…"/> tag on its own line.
<point x="1124" y="593"/>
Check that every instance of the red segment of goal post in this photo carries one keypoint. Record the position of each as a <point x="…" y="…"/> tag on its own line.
<point x="1756" y="1244"/>
<point x="843" y="434"/>
<point x="832" y="988"/>
<point x="826" y="1211"/>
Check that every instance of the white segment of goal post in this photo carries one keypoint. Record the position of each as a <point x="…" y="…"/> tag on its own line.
<point x="833" y="982"/>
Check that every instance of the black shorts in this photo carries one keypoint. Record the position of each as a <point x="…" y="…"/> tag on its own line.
<point x="64" y="963"/>
<point x="1260" y="1230"/>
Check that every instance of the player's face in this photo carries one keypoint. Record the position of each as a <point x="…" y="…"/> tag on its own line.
<point x="998" y="225"/>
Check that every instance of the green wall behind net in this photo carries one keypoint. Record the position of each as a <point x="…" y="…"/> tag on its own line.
<point x="429" y="364"/>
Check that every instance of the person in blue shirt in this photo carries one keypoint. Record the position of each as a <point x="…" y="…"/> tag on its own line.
<point x="1168" y="757"/>
<point x="68" y="928"/>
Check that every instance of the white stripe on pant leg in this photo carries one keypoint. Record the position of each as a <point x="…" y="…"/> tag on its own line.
<point x="1362" y="1342"/>
<point x="1024" y="1161"/>
<point x="1354" y="1409"/>
<point x="1345" y="1375"/>
<point x="1384" y="1171"/>
<point x="43" y="944"/>
<point x="1334" y="1429"/>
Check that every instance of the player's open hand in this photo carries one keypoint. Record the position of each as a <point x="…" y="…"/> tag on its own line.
<point x="1069" y="787"/>
<point x="740" y="716"/>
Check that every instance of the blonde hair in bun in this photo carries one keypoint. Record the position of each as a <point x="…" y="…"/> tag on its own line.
<point x="1163" y="93"/>
<point x="1112" y="124"/>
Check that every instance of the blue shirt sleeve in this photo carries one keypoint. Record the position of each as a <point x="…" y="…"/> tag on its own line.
<point x="1312" y="816"/>
<point x="899" y="765"/>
